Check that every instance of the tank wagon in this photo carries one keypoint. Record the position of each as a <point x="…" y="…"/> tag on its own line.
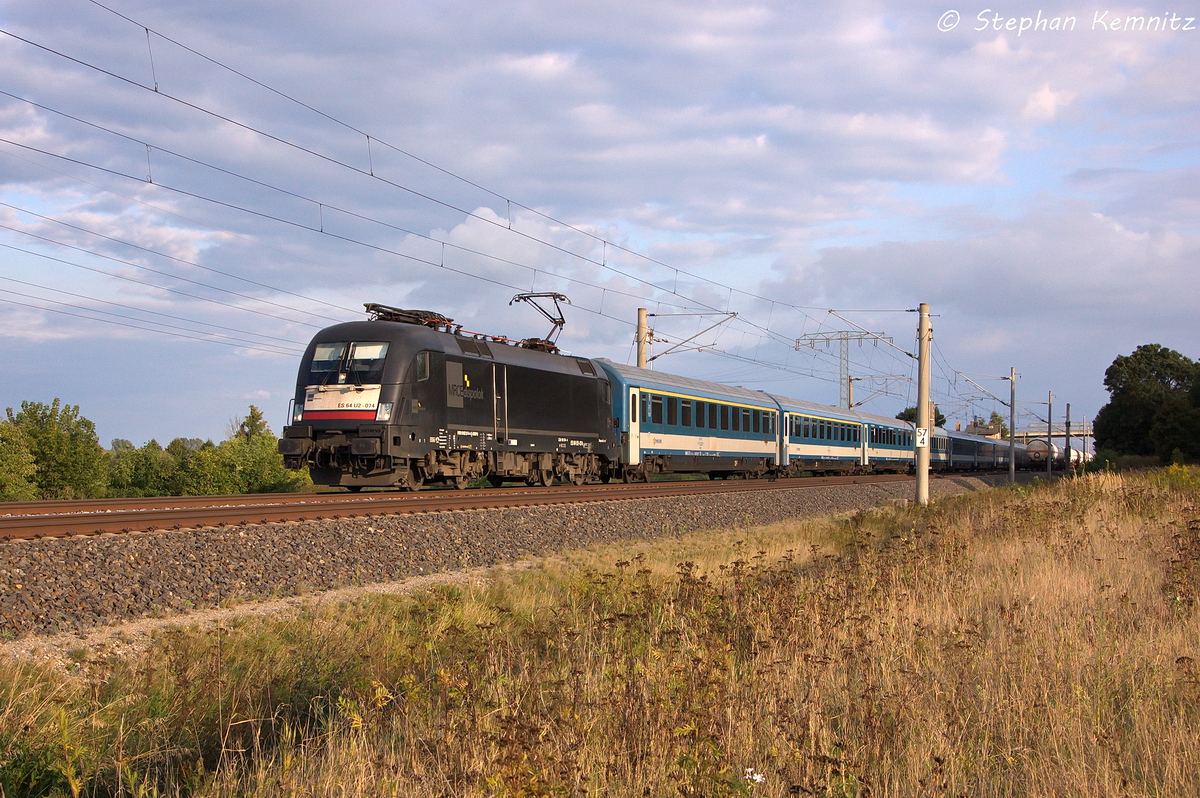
<point x="408" y="398"/>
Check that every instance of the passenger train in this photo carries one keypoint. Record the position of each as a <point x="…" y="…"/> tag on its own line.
<point x="408" y="398"/>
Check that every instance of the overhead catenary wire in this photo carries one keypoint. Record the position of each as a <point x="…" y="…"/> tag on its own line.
<point x="349" y="240"/>
<point x="206" y="339"/>
<point x="342" y="164"/>
<point x="327" y="233"/>
<point x="674" y="290"/>
<point x="147" y="311"/>
<point x="321" y="205"/>
<point x="449" y="173"/>
<point x="145" y="268"/>
<point x="158" y="324"/>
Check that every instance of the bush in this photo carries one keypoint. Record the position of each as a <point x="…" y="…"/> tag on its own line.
<point x="17" y="467"/>
<point x="248" y="462"/>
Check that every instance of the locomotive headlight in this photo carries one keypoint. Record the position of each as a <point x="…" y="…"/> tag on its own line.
<point x="384" y="413"/>
<point x="298" y="413"/>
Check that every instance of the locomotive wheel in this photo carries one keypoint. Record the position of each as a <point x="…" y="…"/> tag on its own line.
<point x="459" y="482"/>
<point x="545" y="478"/>
<point x="414" y="481"/>
<point x="495" y="480"/>
<point x="354" y="488"/>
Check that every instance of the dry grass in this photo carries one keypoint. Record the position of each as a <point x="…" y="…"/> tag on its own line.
<point x="1030" y="642"/>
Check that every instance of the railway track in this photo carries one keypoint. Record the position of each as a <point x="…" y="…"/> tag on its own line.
<point x="30" y="520"/>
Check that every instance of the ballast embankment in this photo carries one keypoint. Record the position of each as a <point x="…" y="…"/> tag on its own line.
<point x="72" y="584"/>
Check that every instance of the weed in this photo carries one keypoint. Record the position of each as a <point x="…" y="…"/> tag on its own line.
<point x="1028" y="641"/>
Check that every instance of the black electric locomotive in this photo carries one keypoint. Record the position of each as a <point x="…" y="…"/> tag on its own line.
<point x="407" y="398"/>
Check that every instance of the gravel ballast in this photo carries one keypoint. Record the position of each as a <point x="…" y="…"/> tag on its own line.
<point x="72" y="584"/>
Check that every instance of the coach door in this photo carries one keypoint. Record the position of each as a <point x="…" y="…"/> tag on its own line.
<point x="633" y="441"/>
<point x="500" y="403"/>
<point x="864" y="438"/>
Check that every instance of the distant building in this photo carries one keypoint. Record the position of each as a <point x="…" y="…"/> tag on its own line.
<point x="986" y="430"/>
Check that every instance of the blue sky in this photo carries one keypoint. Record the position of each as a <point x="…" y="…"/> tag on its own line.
<point x="779" y="160"/>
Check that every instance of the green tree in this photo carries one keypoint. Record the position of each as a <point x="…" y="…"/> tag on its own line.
<point x="998" y="420"/>
<point x="1153" y="403"/>
<point x="909" y="414"/>
<point x="251" y="426"/>
<point x="17" y="467"/>
<point x="70" y="461"/>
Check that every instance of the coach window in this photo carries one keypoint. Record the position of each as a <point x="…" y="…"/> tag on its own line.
<point x="686" y="413"/>
<point x="672" y="410"/>
<point x="656" y="414"/>
<point x="745" y="419"/>
<point x="756" y="420"/>
<point x="724" y="414"/>
<point x="699" y="414"/>
<point x="736" y="412"/>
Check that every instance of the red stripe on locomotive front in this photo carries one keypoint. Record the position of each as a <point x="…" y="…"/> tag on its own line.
<point x="368" y="415"/>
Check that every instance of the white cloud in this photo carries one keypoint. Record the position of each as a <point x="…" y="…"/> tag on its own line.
<point x="1044" y="104"/>
<point x="543" y="66"/>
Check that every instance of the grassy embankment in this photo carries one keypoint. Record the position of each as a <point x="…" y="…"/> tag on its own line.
<point x="1029" y="642"/>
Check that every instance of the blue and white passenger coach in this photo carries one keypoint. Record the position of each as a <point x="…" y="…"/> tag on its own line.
<point x="671" y="423"/>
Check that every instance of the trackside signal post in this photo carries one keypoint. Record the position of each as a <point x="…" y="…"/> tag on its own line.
<point x="924" y="420"/>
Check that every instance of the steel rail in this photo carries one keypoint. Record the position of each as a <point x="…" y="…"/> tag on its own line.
<point x="29" y="520"/>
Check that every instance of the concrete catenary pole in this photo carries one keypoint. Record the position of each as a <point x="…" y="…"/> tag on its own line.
<point x="924" y="419"/>
<point x="1012" y="426"/>
<point x="1050" y="434"/>
<point x="1067" y="464"/>
<point x="643" y="338"/>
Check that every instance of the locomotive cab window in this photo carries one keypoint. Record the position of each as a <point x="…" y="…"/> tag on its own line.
<point x="364" y="363"/>
<point x="357" y="363"/>
<point x="328" y="357"/>
<point x="422" y="366"/>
